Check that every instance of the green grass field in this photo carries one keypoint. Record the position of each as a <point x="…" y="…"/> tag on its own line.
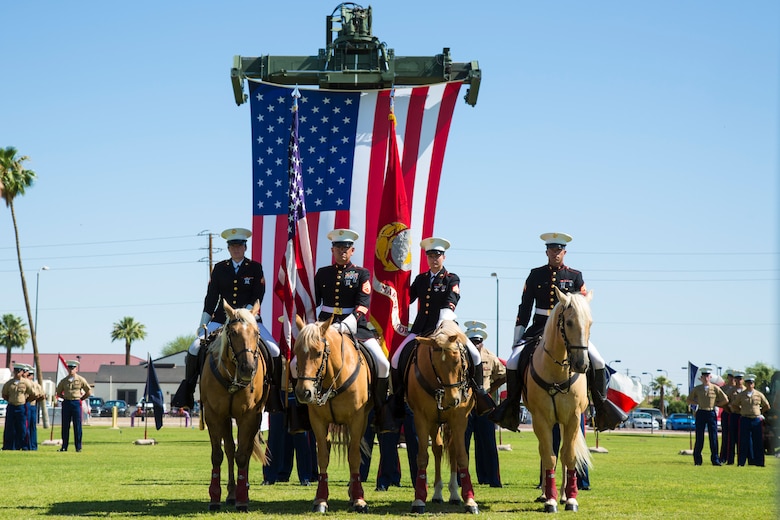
<point x="642" y="476"/>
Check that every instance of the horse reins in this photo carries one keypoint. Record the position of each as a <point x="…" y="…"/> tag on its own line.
<point x="235" y="385"/>
<point x="320" y="397"/>
<point x="438" y="393"/>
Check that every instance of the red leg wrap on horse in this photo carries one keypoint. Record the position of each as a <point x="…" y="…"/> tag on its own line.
<point x="550" y="491"/>
<point x="215" y="492"/>
<point x="421" y="485"/>
<point x="242" y="487"/>
<point x="355" y="487"/>
<point x="322" y="487"/>
<point x="466" y="489"/>
<point x="571" y="483"/>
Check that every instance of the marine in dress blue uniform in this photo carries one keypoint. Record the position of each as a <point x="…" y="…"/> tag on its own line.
<point x="437" y="292"/>
<point x="539" y="299"/>
<point x="240" y="282"/>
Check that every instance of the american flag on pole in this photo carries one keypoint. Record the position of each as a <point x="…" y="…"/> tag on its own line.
<point x="393" y="259"/>
<point x="343" y="151"/>
<point x="295" y="283"/>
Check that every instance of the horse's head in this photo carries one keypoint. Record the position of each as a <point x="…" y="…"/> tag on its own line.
<point x="312" y="348"/>
<point x="446" y="350"/>
<point x="573" y="320"/>
<point x="239" y="341"/>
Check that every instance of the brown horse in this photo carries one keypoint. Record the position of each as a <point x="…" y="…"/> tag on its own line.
<point x="438" y="393"/>
<point x="232" y="387"/>
<point x="556" y="393"/>
<point x="334" y="381"/>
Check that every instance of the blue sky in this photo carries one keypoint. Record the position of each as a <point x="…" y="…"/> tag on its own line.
<point x="648" y="131"/>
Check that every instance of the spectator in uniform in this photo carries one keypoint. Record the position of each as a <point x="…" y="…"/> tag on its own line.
<point x="73" y="389"/>
<point x="32" y="410"/>
<point x="240" y="282"/>
<point x="751" y="406"/>
<point x="16" y="391"/>
<point x="733" y="423"/>
<point x="438" y="292"/>
<point x="539" y="292"/>
<point x="484" y="430"/>
<point x="707" y="396"/>
<point x="342" y="291"/>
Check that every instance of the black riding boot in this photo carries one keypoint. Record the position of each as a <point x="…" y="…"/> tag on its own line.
<point x="274" y="403"/>
<point x="608" y="416"/>
<point x="185" y="395"/>
<point x="383" y="417"/>
<point x="396" y="400"/>
<point x="485" y="403"/>
<point x="507" y="414"/>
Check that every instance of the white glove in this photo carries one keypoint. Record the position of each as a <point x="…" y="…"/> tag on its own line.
<point x="446" y="314"/>
<point x="348" y="324"/>
<point x="519" y="331"/>
<point x="204" y="319"/>
<point x="760" y="417"/>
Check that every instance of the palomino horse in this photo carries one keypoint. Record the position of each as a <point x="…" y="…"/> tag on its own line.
<point x="555" y="392"/>
<point x="438" y="393"/>
<point x="334" y="381"/>
<point x="232" y="387"/>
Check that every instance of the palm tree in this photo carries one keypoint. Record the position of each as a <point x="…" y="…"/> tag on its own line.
<point x="15" y="179"/>
<point x="129" y="330"/>
<point x="13" y="334"/>
<point x="661" y="383"/>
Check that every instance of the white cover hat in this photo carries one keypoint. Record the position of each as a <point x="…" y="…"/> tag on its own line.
<point x="343" y="235"/>
<point x="435" y="244"/>
<point x="476" y="333"/>
<point x="236" y="235"/>
<point x="473" y="324"/>
<point x="560" y="239"/>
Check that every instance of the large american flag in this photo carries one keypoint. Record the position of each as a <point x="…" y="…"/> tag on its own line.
<point x="295" y="282"/>
<point x="343" y="166"/>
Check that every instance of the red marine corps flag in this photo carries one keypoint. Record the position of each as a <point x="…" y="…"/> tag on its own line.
<point x="393" y="258"/>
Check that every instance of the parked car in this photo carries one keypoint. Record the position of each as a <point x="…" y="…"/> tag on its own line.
<point x="122" y="410"/>
<point x="638" y="420"/>
<point x="680" y="421"/>
<point x="660" y="422"/>
<point x="95" y="404"/>
<point x="148" y="407"/>
<point x="3" y="407"/>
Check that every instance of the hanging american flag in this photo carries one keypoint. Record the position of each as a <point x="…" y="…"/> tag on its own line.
<point x="295" y="283"/>
<point x="343" y="166"/>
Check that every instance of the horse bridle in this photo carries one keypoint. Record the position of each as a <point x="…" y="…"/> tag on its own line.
<point x="318" y="379"/>
<point x="562" y="327"/>
<point x="438" y="392"/>
<point x="236" y="385"/>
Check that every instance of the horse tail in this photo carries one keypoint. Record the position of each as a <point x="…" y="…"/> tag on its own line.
<point x="338" y="434"/>
<point x="258" y="449"/>
<point x="582" y="458"/>
<point x="444" y="436"/>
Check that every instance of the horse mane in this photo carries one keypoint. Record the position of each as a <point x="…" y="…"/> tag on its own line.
<point x="218" y="345"/>
<point x="309" y="334"/>
<point x="445" y="331"/>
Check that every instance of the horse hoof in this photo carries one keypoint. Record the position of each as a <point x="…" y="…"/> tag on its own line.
<point x="242" y="509"/>
<point x="472" y="510"/>
<point x="572" y="507"/>
<point x="437" y="500"/>
<point x="360" y="508"/>
<point x="320" y="508"/>
<point x="550" y="508"/>
<point x="214" y="507"/>
<point x="418" y="510"/>
<point x="455" y="502"/>
<point x="230" y="502"/>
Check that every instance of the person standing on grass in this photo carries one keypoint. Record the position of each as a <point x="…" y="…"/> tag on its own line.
<point x="751" y="406"/>
<point x="73" y="389"/>
<point x="16" y="391"/>
<point x="707" y="396"/>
